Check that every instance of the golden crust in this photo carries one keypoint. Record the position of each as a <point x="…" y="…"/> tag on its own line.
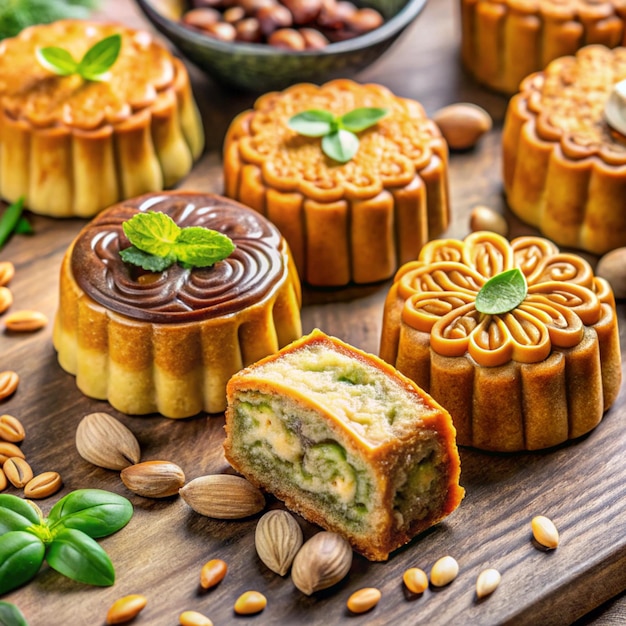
<point x="382" y="455"/>
<point x="72" y="147"/>
<point x="564" y="170"/>
<point x="344" y="222"/>
<point x="532" y="378"/>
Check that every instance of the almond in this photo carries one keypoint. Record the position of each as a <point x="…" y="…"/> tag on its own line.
<point x="8" y="383"/>
<point x="6" y="298"/>
<point x="106" y="442"/>
<point x="153" y="479"/>
<point x="43" y="485"/>
<point x="7" y="271"/>
<point x="25" y="321"/>
<point x="11" y="429"/>
<point x="462" y="124"/>
<point x="223" y="496"/>
<point x="278" y="538"/>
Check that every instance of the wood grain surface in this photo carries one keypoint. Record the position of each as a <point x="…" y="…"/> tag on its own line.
<point x="581" y="486"/>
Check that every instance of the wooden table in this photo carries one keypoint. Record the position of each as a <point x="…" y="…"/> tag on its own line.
<point x="581" y="486"/>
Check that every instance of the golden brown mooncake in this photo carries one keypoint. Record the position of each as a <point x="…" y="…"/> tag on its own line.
<point x="346" y="441"/>
<point x="534" y="377"/>
<point x="168" y="342"/>
<point x="356" y="221"/>
<point x="564" y="167"/>
<point x="503" y="41"/>
<point x="72" y="147"/>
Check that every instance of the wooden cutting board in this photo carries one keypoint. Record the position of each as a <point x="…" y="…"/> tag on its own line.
<point x="581" y="486"/>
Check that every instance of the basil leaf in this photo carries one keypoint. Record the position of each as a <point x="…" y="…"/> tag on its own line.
<point x="312" y="123"/>
<point x="202" y="247"/>
<point x="341" y="145"/>
<point x="77" y="556"/>
<point x="10" y="219"/>
<point x="100" y="57"/>
<point x="95" y="512"/>
<point x="23" y="227"/>
<point x="146" y="261"/>
<point x="360" y="119"/>
<point x="152" y="232"/>
<point x="57" y="60"/>
<point x="21" y="556"/>
<point x="16" y="514"/>
<point x="10" y="615"/>
<point x="502" y="293"/>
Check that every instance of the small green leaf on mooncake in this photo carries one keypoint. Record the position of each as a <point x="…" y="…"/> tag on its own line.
<point x="502" y="293"/>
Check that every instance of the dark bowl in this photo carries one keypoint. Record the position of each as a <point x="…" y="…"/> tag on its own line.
<point x="261" y="68"/>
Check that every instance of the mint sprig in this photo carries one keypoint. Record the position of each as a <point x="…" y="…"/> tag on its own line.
<point x="158" y="242"/>
<point x="339" y="139"/>
<point x="94" y="65"/>
<point x="65" y="539"/>
<point x="502" y="293"/>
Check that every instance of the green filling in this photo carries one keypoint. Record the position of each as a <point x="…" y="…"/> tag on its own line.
<point x="415" y="498"/>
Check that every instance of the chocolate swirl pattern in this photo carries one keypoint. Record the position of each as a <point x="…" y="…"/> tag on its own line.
<point x="177" y="294"/>
<point x="440" y="299"/>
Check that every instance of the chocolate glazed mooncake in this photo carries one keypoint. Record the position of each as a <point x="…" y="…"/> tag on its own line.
<point x="168" y="342"/>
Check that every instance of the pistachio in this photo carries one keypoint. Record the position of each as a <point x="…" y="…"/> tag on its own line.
<point x="545" y="532"/>
<point x="8" y="383"/>
<point x="105" y="441"/>
<point x="126" y="608"/>
<point x="487" y="582"/>
<point x="363" y="600"/>
<point x="484" y="218"/>
<point x="7" y="271"/>
<point x="25" y="321"/>
<point x="193" y="618"/>
<point x="321" y="562"/>
<point x="222" y="496"/>
<point x="6" y="298"/>
<point x="17" y="471"/>
<point x="278" y="538"/>
<point x="153" y="479"/>
<point x="444" y="571"/>
<point x="462" y="124"/>
<point x="212" y="573"/>
<point x="612" y="267"/>
<point x="43" y="485"/>
<point x="8" y="450"/>
<point x="415" y="580"/>
<point x="250" y="602"/>
<point x="11" y="429"/>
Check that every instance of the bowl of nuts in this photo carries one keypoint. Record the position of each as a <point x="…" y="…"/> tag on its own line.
<point x="262" y="45"/>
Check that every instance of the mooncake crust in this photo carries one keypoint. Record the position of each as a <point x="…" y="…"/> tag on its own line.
<point x="388" y="454"/>
<point x="564" y="167"/>
<point x="167" y="342"/>
<point x="72" y="147"/>
<point x="353" y="222"/>
<point x="532" y="378"/>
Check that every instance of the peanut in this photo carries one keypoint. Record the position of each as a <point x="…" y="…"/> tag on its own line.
<point x="8" y="383"/>
<point x="415" y="580"/>
<point x="250" y="602"/>
<point x="126" y="608"/>
<point x="6" y="298"/>
<point x="17" y="471"/>
<point x="545" y="532"/>
<point x="9" y="450"/>
<point x="25" y="321"/>
<point x="7" y="271"/>
<point x="43" y="485"/>
<point x="212" y="573"/>
<point x="444" y="571"/>
<point x="363" y="600"/>
<point x="11" y="429"/>
<point x="193" y="618"/>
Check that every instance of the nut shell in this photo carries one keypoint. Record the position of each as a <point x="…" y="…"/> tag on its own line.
<point x="153" y="479"/>
<point x="278" y="538"/>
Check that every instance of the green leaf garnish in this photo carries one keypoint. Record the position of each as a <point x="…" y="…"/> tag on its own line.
<point x="339" y="141"/>
<point x="93" y="66"/>
<point x="65" y="538"/>
<point x="502" y="293"/>
<point x="10" y="615"/>
<point x="10" y="220"/>
<point x="158" y="242"/>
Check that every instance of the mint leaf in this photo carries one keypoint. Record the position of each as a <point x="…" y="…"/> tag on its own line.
<point x="10" y="615"/>
<point x="340" y="145"/>
<point x="502" y="293"/>
<point x="202" y="247"/>
<point x="57" y="60"/>
<point x="312" y="123"/>
<point x="10" y="220"/>
<point x="100" y="58"/>
<point x="146" y="261"/>
<point x="360" y="119"/>
<point x="23" y="227"/>
<point x="152" y="232"/>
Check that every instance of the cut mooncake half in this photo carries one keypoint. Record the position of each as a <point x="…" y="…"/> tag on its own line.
<point x="346" y="441"/>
